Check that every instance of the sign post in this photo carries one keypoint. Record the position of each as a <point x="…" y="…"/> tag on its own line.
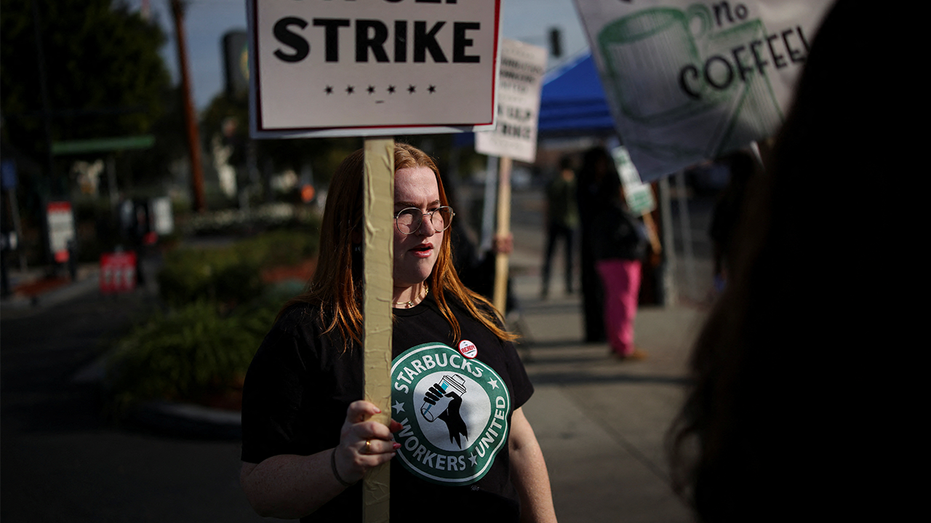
<point x="373" y="68"/>
<point x="504" y="228"/>
<point x="378" y="240"/>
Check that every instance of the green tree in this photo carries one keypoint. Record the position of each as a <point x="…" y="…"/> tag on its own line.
<point x="104" y="74"/>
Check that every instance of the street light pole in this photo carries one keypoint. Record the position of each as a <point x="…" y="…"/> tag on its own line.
<point x="197" y="174"/>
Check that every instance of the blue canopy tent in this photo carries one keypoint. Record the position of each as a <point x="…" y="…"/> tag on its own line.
<point x="573" y="102"/>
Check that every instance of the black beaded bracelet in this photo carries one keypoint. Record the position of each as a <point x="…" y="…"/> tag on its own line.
<point x="336" y="472"/>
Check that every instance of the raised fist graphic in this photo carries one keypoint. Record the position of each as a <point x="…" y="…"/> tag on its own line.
<point x="443" y="401"/>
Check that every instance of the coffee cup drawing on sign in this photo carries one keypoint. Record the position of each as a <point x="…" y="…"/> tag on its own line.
<point x="644" y="50"/>
<point x="645" y="54"/>
<point x="752" y="110"/>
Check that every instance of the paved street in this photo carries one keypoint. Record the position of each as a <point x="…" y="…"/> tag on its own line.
<point x="65" y="459"/>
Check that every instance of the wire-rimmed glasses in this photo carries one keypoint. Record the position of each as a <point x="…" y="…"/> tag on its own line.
<point x="409" y="219"/>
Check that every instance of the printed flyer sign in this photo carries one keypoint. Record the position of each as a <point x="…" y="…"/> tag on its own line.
<point x="372" y="67"/>
<point x="520" y="80"/>
<point x="687" y="81"/>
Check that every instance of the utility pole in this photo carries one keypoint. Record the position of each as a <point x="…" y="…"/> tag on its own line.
<point x="193" y="135"/>
<point x="43" y="91"/>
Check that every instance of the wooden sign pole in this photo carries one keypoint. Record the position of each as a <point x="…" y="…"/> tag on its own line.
<point x="504" y="228"/>
<point x="378" y="243"/>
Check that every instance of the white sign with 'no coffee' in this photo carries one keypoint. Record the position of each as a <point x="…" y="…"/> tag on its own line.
<point x="689" y="80"/>
<point x="372" y="67"/>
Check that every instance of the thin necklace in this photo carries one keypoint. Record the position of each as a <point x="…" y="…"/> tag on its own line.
<point x="409" y="304"/>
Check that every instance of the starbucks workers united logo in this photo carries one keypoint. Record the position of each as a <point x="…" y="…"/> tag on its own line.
<point x="453" y="411"/>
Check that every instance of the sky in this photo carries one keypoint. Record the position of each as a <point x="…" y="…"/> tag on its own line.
<point x="206" y="21"/>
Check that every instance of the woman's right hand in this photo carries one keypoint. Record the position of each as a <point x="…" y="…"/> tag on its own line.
<point x="364" y="443"/>
<point x="289" y="486"/>
<point x="503" y="243"/>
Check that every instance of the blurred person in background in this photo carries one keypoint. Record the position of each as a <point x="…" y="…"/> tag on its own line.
<point x="476" y="267"/>
<point x="562" y="218"/>
<point x="614" y="242"/>
<point x="598" y="184"/>
<point x="619" y="244"/>
<point x="742" y="167"/>
<point x="788" y="415"/>
<point x="307" y="434"/>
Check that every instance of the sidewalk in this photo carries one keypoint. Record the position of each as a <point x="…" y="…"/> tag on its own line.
<point x="601" y="422"/>
<point x="33" y="287"/>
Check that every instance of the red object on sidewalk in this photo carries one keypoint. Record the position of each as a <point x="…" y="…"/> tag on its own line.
<point x="117" y="272"/>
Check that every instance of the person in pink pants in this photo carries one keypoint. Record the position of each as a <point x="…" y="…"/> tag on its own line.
<point x="619" y="243"/>
<point x="621" y="280"/>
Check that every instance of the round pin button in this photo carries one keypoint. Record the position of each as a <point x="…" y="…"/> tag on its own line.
<point x="468" y="349"/>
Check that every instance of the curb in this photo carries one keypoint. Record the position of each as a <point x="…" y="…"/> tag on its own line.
<point x="187" y="420"/>
<point x="60" y="294"/>
<point x="171" y="418"/>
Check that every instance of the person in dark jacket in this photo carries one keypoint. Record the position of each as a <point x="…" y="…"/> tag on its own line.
<point x="592" y="190"/>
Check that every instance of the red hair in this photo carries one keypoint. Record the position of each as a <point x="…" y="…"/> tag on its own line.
<point x="337" y="286"/>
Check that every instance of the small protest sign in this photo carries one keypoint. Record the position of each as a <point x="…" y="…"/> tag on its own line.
<point x="687" y="81"/>
<point x="639" y="195"/>
<point x="372" y="67"/>
<point x="520" y="79"/>
<point x="60" y="229"/>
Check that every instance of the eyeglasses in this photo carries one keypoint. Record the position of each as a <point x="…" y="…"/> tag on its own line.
<point x="409" y="220"/>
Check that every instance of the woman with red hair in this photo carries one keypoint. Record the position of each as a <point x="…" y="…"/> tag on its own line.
<point x="460" y="443"/>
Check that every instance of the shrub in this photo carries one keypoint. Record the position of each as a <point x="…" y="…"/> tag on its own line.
<point x="282" y="247"/>
<point x="230" y="275"/>
<point x="239" y="221"/>
<point x="187" y="353"/>
<point x="219" y="310"/>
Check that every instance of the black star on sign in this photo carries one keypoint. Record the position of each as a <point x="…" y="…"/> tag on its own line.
<point x="371" y="89"/>
<point x="391" y="89"/>
<point x="328" y="90"/>
<point x="411" y="89"/>
<point x="350" y="89"/>
<point x="432" y="89"/>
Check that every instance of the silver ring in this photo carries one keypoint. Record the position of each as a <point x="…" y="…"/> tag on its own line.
<point x="368" y="447"/>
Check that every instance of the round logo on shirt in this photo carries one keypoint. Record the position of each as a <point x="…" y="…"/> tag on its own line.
<point x="454" y="412"/>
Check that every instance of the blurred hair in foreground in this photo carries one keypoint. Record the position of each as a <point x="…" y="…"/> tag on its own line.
<point x="787" y="417"/>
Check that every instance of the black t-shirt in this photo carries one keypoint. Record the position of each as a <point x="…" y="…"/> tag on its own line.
<point x="300" y="384"/>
